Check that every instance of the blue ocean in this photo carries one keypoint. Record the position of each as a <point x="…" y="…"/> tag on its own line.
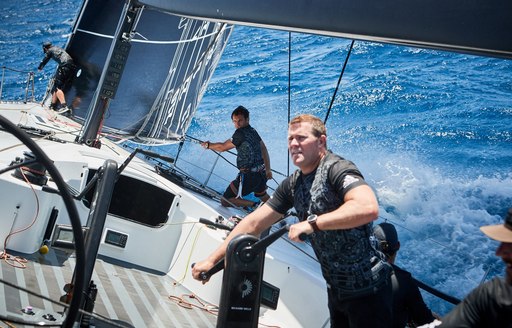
<point x="430" y="130"/>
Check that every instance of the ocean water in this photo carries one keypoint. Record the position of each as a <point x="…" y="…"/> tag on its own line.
<point x="430" y="130"/>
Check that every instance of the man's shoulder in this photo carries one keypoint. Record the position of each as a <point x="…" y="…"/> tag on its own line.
<point x="248" y="133"/>
<point x="339" y="160"/>
<point x="249" y="129"/>
<point x="495" y="290"/>
<point x="498" y="285"/>
<point x="401" y="273"/>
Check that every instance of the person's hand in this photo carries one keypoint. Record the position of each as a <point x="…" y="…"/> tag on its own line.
<point x="269" y="174"/>
<point x="205" y="144"/>
<point x="200" y="267"/>
<point x="298" y="229"/>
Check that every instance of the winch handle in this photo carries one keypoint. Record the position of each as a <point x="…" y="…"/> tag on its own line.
<point x="265" y="242"/>
<point x="216" y="268"/>
<point x="251" y="250"/>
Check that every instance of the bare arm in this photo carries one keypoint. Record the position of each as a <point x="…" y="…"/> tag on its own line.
<point x="218" y="146"/>
<point x="43" y="63"/>
<point x="266" y="160"/>
<point x="360" y="207"/>
<point x="254" y="223"/>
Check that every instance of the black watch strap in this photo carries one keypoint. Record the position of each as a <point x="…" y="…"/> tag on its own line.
<point x="312" y="220"/>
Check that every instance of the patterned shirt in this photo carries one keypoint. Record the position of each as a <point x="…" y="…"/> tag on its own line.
<point x="350" y="264"/>
<point x="248" y="147"/>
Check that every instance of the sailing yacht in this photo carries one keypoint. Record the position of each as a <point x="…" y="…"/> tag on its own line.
<point x="98" y="235"/>
<point x="93" y="233"/>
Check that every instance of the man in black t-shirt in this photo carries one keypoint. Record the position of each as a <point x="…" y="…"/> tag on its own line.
<point x="408" y="305"/>
<point x="490" y="304"/>
<point x="335" y="207"/>
<point x="252" y="161"/>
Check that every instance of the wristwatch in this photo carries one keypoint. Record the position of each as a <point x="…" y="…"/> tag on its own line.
<point x="312" y="220"/>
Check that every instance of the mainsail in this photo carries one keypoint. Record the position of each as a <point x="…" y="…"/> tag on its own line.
<point x="157" y="87"/>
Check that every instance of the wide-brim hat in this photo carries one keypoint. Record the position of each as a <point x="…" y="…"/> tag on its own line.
<point x="500" y="232"/>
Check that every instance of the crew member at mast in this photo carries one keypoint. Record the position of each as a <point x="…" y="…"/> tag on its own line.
<point x="62" y="76"/>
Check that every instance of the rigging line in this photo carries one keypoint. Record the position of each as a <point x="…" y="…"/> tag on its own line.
<point x="207" y="307"/>
<point x="195" y="140"/>
<point x="181" y="250"/>
<point x="16" y="70"/>
<point x="447" y="247"/>
<point x="339" y="81"/>
<point x="202" y="185"/>
<point x="289" y="89"/>
<point x="436" y="292"/>
<point x="193" y="39"/>
<point x="17" y="261"/>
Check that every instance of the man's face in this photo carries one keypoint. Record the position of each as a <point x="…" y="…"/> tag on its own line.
<point x="240" y="121"/>
<point x="304" y="147"/>
<point x="505" y="252"/>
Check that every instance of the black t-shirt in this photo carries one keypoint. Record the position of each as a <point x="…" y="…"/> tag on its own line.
<point x="408" y="304"/>
<point x="488" y="305"/>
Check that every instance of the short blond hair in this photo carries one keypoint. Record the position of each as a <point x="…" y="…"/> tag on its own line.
<point x="319" y="128"/>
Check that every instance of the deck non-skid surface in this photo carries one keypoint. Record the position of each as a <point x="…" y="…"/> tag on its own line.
<point x="127" y="296"/>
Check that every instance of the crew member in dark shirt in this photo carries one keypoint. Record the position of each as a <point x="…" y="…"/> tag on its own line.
<point x="408" y="305"/>
<point x="335" y="207"/>
<point x="252" y="160"/>
<point x="490" y="304"/>
<point x="63" y="75"/>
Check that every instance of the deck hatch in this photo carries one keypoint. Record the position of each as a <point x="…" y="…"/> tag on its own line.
<point x="137" y="201"/>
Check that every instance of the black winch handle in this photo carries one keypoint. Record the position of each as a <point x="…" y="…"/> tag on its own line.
<point x="216" y="268"/>
<point x="253" y="249"/>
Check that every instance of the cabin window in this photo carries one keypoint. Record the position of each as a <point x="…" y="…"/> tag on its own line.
<point x="137" y="201"/>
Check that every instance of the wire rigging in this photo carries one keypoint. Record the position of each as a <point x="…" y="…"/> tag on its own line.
<point x="289" y="89"/>
<point x="339" y="81"/>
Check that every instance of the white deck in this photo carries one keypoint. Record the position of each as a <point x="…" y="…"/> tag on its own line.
<point x="156" y="260"/>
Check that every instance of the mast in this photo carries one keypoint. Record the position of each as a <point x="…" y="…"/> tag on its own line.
<point x="111" y="74"/>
